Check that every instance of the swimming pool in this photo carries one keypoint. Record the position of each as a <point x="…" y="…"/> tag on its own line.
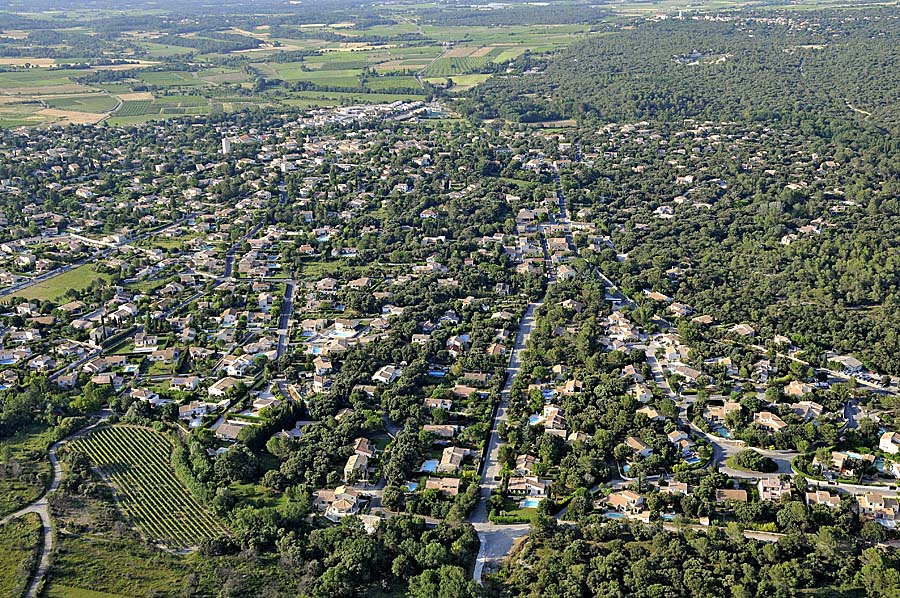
<point x="534" y="419"/>
<point x="614" y="515"/>
<point x="411" y="486"/>
<point x="429" y="466"/>
<point x="530" y="503"/>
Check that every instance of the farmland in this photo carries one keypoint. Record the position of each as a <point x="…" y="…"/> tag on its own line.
<point x="136" y="462"/>
<point x="19" y="542"/>
<point x="330" y="61"/>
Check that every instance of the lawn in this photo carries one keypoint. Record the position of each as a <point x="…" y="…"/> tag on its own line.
<point x="137" y="463"/>
<point x="19" y="544"/>
<point x="54" y="289"/>
<point x="23" y="467"/>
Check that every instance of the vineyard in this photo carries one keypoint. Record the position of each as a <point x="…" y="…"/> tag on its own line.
<point x="136" y="462"/>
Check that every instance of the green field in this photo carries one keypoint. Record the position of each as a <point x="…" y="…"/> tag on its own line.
<point x="95" y="103"/>
<point x="24" y="467"/>
<point x="136" y="461"/>
<point x="19" y="542"/>
<point x="54" y="289"/>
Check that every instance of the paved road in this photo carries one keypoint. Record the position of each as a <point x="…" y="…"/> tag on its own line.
<point x="41" y="507"/>
<point x="491" y="466"/>
<point x="284" y="320"/>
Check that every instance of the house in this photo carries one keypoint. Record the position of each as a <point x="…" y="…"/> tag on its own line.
<point x="723" y="496"/>
<point x="194" y="409"/>
<point x="441" y="431"/>
<point x="717" y="413"/>
<point x="795" y="388"/>
<point x="451" y="459"/>
<point x="221" y="387"/>
<point x="676" y="436"/>
<point x="773" y="489"/>
<point x="808" y="410"/>
<point x="626" y="501"/>
<point x="364" y="447"/>
<point x="185" y="383"/>
<point x="446" y="486"/>
<point x="228" y="431"/>
<point x="652" y="414"/>
<point x="889" y="443"/>
<point x="431" y="404"/>
<point x="529" y="486"/>
<point x="881" y="508"/>
<point x="341" y="502"/>
<point x="525" y="465"/>
<point x="823" y="497"/>
<point x="386" y="374"/>
<point x="769" y="420"/>
<point x="638" y="446"/>
<point x="322" y="365"/>
<point x="356" y="463"/>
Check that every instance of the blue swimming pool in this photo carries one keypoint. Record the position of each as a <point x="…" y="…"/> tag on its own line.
<point x="614" y="515"/>
<point x="534" y="419"/>
<point x="530" y="503"/>
<point x="429" y="466"/>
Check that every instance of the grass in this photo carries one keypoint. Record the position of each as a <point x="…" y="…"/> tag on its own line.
<point x="54" y="289"/>
<point x="24" y="463"/>
<point x="19" y="545"/>
<point x="136" y="461"/>
<point x="83" y="103"/>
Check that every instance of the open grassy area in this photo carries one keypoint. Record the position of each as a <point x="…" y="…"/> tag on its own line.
<point x="136" y="462"/>
<point x="19" y="544"/>
<point x="24" y="467"/>
<point x="54" y="289"/>
<point x="96" y="103"/>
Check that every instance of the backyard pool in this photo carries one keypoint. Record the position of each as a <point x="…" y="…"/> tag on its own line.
<point x="534" y="419"/>
<point x="614" y="515"/>
<point x="429" y="466"/>
<point x="530" y="503"/>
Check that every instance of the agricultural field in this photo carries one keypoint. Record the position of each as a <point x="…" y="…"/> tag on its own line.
<point x="95" y="103"/>
<point x="136" y="462"/>
<point x="24" y="467"/>
<point x="54" y="289"/>
<point x="19" y="543"/>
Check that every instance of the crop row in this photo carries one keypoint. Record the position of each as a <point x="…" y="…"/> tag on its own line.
<point x="137" y="462"/>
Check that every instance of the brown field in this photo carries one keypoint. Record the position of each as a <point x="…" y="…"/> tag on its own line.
<point x="137" y="96"/>
<point x="49" y="89"/>
<point x="396" y="65"/>
<point x="23" y="61"/>
<point x="481" y="52"/>
<point x="123" y="67"/>
<point x="70" y="116"/>
<point x="459" y="52"/>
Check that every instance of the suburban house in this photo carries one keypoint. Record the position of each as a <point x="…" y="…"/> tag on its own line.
<point x="823" y="497"/>
<point x="626" y="501"/>
<point x="529" y="486"/>
<point x="769" y="420"/>
<point x="356" y="463"/>
<point x="773" y="489"/>
<point x="451" y="459"/>
<point x="446" y="486"/>
<point x="889" y="443"/>
<point x="386" y="374"/>
<point x="638" y="446"/>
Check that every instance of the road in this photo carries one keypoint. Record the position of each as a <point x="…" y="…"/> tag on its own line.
<point x="42" y="508"/>
<point x="284" y="320"/>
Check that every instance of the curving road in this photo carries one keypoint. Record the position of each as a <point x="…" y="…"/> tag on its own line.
<point x="42" y="508"/>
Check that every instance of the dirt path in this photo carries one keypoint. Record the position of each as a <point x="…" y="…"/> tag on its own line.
<point x="42" y="508"/>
